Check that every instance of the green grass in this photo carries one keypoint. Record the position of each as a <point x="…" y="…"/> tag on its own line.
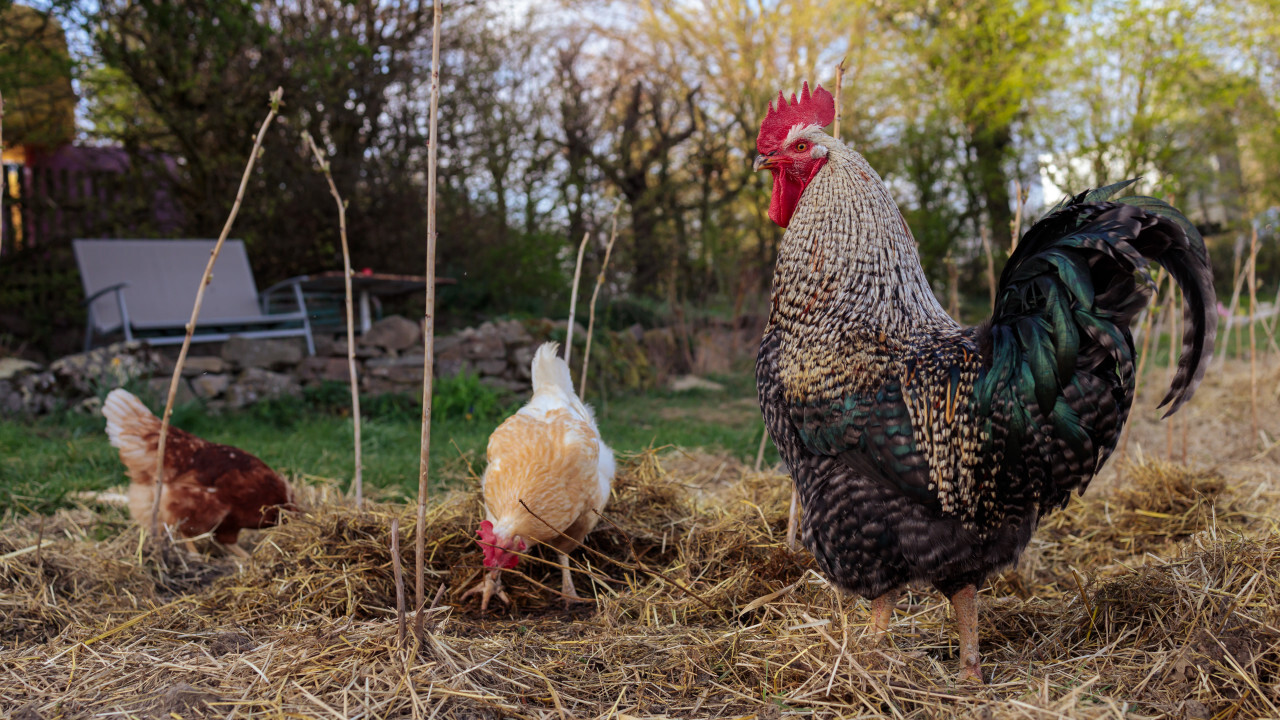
<point x="43" y="459"/>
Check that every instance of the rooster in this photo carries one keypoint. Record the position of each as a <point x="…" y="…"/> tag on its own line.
<point x="208" y="488"/>
<point x="924" y="451"/>
<point x="549" y="476"/>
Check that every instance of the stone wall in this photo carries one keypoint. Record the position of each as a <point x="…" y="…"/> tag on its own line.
<point x="242" y="371"/>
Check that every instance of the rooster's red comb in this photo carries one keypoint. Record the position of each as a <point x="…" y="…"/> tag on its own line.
<point x="817" y="108"/>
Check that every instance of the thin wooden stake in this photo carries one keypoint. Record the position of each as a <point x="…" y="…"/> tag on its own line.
<point x="1237" y="285"/>
<point x="429" y="319"/>
<point x="595" y="294"/>
<point x="1174" y="308"/>
<point x="573" y="298"/>
<point x="358" y="482"/>
<point x="835" y="127"/>
<point x="991" y="263"/>
<point x="399" y="573"/>
<point x="1149" y="328"/>
<point x="764" y="439"/>
<point x="1253" y="322"/>
<point x="1017" y="214"/>
<point x="195" y="314"/>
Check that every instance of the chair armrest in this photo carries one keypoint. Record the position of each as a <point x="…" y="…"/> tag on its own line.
<point x="264" y="298"/>
<point x="114" y="288"/>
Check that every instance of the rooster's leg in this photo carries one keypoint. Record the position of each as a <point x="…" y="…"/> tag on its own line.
<point x="792" y="520"/>
<point x="965" y="602"/>
<point x="566" y="583"/>
<point x="881" y="614"/>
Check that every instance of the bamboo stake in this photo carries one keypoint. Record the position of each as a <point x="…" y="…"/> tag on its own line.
<point x="429" y="320"/>
<point x="1271" y="325"/>
<point x="1149" y="328"/>
<point x="1253" y="322"/>
<point x="991" y="263"/>
<point x="1174" y="307"/>
<point x="573" y="298"/>
<point x="1238" y="285"/>
<point x="358" y="483"/>
<point x="1017" y="214"/>
<point x="595" y="294"/>
<point x="195" y="312"/>
<point x="835" y="128"/>
<point x="399" y="573"/>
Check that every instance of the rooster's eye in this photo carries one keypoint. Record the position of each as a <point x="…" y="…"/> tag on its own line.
<point x="801" y="147"/>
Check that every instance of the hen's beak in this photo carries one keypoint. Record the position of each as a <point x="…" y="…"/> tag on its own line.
<point x="763" y="162"/>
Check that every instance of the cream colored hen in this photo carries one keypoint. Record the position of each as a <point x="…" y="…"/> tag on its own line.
<point x="550" y="456"/>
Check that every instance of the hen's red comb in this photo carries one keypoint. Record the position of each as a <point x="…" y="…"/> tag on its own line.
<point x="818" y="108"/>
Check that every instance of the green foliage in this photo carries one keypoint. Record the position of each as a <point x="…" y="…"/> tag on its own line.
<point x="463" y="397"/>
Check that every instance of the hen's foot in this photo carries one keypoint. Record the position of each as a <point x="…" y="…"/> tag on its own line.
<point x="487" y="588"/>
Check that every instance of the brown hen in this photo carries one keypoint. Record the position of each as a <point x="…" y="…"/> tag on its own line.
<point x="208" y="488"/>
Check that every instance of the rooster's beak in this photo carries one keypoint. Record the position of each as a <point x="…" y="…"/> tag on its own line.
<point x="763" y="162"/>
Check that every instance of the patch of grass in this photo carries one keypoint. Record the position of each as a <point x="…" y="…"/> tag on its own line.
<point x="45" y="459"/>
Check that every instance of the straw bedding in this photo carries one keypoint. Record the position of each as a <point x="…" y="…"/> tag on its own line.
<point x="1155" y="595"/>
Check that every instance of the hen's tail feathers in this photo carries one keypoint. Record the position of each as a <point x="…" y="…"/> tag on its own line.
<point x="130" y="426"/>
<point x="1095" y="248"/>
<point x="551" y="375"/>
<point x="550" y="370"/>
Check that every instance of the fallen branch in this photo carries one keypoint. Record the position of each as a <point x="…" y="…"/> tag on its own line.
<point x="195" y="313"/>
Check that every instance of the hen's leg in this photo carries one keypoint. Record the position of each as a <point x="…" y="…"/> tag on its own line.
<point x="792" y="520"/>
<point x="965" y="602"/>
<point x="238" y="551"/>
<point x="566" y="583"/>
<point x="881" y="614"/>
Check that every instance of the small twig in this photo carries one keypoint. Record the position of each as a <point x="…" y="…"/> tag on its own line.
<point x="358" y="483"/>
<point x="595" y="294"/>
<point x="573" y="298"/>
<point x="195" y="313"/>
<point x="429" y="320"/>
<point x="395" y="563"/>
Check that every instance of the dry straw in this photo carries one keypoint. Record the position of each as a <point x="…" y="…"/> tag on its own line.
<point x="357" y="484"/>
<point x="195" y="312"/>
<point x="1158" y="598"/>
